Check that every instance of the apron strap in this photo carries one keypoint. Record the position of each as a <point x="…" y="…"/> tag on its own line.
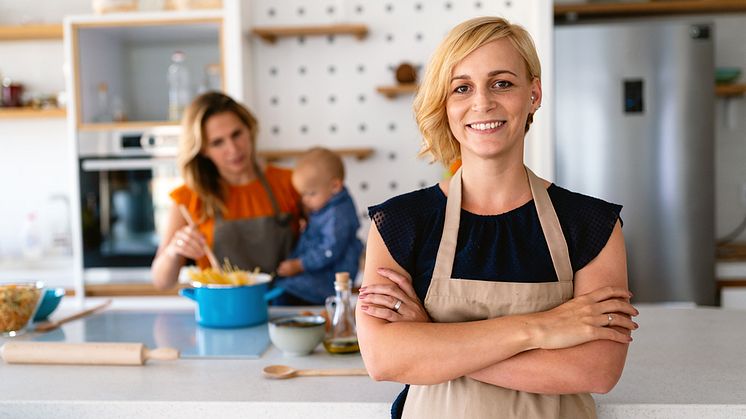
<point x="551" y="227"/>
<point x="447" y="248"/>
<point x="547" y="218"/>
<point x="265" y="184"/>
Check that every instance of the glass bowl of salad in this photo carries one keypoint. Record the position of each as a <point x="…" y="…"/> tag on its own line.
<point x="18" y="303"/>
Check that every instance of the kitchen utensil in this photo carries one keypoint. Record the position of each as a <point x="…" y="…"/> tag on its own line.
<point x="228" y="306"/>
<point x="284" y="371"/>
<point x="210" y="255"/>
<point x="49" y="302"/>
<point x="45" y="327"/>
<point x="297" y="335"/>
<point x="91" y="353"/>
<point x="18" y="303"/>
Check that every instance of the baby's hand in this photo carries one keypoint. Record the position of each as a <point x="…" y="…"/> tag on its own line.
<point x="290" y="267"/>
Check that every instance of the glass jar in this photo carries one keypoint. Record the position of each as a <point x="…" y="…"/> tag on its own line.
<point x="341" y="337"/>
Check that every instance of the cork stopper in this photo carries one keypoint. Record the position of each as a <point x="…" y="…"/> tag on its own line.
<point x="342" y="281"/>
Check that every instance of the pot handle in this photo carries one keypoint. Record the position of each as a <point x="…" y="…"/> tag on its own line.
<point x="188" y="293"/>
<point x="273" y="293"/>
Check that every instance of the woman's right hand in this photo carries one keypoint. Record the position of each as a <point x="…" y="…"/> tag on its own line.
<point x="187" y="242"/>
<point x="586" y="318"/>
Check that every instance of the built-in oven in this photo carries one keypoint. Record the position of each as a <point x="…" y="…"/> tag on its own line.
<point x="125" y="180"/>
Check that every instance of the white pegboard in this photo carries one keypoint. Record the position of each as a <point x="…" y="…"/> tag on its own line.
<point x="322" y="90"/>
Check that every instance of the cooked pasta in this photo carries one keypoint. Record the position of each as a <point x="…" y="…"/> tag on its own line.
<point x="17" y="304"/>
<point x="230" y="275"/>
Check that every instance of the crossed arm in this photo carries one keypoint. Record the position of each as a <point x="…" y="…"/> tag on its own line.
<point x="568" y="349"/>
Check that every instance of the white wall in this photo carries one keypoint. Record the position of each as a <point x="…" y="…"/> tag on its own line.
<point x="730" y="129"/>
<point x="33" y="167"/>
<point x="318" y="91"/>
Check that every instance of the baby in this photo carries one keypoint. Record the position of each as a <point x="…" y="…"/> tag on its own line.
<point x="329" y="244"/>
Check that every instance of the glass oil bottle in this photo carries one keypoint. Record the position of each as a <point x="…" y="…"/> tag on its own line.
<point x="341" y="336"/>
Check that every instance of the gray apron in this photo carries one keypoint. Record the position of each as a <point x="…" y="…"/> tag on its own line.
<point x="460" y="300"/>
<point x="261" y="242"/>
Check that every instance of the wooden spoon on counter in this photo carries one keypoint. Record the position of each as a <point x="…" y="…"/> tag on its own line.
<point x="210" y="255"/>
<point x="284" y="371"/>
<point x="53" y="324"/>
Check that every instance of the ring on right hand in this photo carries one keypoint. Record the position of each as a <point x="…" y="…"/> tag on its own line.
<point x="180" y="242"/>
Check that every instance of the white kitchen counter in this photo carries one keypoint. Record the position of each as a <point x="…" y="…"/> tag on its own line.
<point x="684" y="363"/>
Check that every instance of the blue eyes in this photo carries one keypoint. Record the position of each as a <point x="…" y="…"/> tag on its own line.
<point x="500" y="84"/>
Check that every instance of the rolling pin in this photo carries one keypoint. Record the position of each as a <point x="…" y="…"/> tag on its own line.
<point x="92" y="353"/>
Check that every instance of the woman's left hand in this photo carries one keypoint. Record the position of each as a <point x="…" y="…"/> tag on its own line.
<point x="395" y="302"/>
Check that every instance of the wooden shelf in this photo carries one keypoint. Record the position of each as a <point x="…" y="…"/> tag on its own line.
<point x="731" y="252"/>
<point x="572" y="12"/>
<point x="271" y="33"/>
<point x="30" y="32"/>
<point x="274" y="155"/>
<point x="121" y="126"/>
<point x="129" y="290"/>
<point x="728" y="90"/>
<point x="18" y="113"/>
<point x="396" y="90"/>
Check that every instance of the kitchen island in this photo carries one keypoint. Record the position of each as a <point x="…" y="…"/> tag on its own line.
<point x="683" y="363"/>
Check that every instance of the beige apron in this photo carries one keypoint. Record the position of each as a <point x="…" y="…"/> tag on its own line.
<point x="261" y="242"/>
<point x="459" y="300"/>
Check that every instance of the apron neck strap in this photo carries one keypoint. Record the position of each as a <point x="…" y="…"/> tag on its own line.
<point x="551" y="227"/>
<point x="265" y="184"/>
<point x="547" y="217"/>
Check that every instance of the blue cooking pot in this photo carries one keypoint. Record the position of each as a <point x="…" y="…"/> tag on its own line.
<point x="231" y="306"/>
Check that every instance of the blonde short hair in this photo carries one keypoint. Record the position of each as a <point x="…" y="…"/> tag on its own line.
<point x="199" y="172"/>
<point x="322" y="162"/>
<point x="430" y="101"/>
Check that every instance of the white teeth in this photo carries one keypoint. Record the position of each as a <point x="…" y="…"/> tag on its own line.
<point x="483" y="126"/>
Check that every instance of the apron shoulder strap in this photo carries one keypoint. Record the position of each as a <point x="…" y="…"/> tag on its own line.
<point x="447" y="248"/>
<point x="552" y="229"/>
<point x="265" y="185"/>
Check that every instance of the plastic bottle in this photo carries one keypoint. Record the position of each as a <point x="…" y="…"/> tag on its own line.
<point x="179" y="90"/>
<point x="103" y="107"/>
<point x="31" y="240"/>
<point x="342" y="335"/>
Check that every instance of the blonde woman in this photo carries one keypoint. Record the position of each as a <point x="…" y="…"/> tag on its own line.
<point x="494" y="294"/>
<point x="244" y="211"/>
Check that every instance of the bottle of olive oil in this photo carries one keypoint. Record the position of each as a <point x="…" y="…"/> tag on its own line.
<point x="341" y="337"/>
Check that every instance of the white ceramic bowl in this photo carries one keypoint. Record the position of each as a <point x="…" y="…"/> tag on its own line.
<point x="297" y="335"/>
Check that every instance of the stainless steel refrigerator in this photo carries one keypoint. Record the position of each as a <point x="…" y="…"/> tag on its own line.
<point x="634" y="121"/>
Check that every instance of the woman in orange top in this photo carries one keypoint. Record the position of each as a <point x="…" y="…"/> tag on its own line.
<point x="244" y="211"/>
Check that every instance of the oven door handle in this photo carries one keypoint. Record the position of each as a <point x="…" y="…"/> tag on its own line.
<point x="109" y="165"/>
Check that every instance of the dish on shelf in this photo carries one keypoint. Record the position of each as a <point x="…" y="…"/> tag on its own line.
<point x="725" y="75"/>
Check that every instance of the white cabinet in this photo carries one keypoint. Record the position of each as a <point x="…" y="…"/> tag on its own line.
<point x="128" y="55"/>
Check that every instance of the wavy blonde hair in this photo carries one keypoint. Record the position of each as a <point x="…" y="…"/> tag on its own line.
<point x="430" y="101"/>
<point x="199" y="172"/>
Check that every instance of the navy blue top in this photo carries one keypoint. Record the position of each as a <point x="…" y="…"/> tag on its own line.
<point x="328" y="245"/>
<point x="506" y="247"/>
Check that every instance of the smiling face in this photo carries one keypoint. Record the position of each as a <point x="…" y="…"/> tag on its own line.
<point x="228" y="145"/>
<point x="489" y="101"/>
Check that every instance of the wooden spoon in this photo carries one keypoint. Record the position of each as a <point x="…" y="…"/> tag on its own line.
<point x="53" y="324"/>
<point x="284" y="371"/>
<point x="210" y="255"/>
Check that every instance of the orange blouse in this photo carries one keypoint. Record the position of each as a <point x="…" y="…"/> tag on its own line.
<point x="244" y="201"/>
